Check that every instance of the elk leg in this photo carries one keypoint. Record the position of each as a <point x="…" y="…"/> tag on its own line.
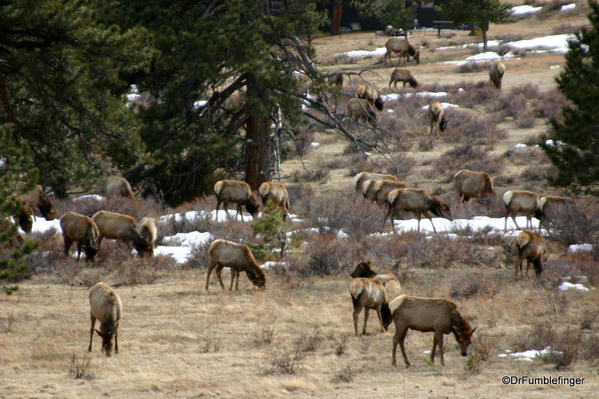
<point x="357" y="310"/>
<point x="435" y="230"/>
<point x="402" y="337"/>
<point x="237" y="273"/>
<point x="219" y="270"/>
<point x="91" y="332"/>
<point x="116" y="342"/>
<point x="365" y="320"/>
<point x="210" y="267"/>
<point x="67" y="244"/>
<point x="79" y="249"/>
<point x="378" y="313"/>
<point x="516" y="223"/>
<point x="439" y="337"/>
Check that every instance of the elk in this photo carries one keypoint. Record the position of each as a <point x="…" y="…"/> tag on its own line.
<point x="123" y="227"/>
<point x="117" y="186"/>
<point x="378" y="190"/>
<point x="437" y="118"/>
<point x="402" y="75"/>
<point x="360" y="109"/>
<point x="105" y="306"/>
<point x="238" y="192"/>
<point x="417" y="201"/>
<point x="360" y="179"/>
<point x="472" y="184"/>
<point x="496" y="74"/>
<point x="82" y="230"/>
<point x="371" y="94"/>
<point x="27" y="204"/>
<point x="403" y="47"/>
<point x="389" y="280"/>
<point x="277" y="193"/>
<point x="238" y="257"/>
<point x="520" y="202"/>
<point x="369" y="293"/>
<point x="531" y="247"/>
<point x="436" y="315"/>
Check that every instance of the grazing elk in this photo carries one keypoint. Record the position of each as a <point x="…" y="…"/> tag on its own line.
<point x="27" y="204"/>
<point x="105" y="306"/>
<point x="360" y="179"/>
<point x="402" y="75"/>
<point x="496" y="74"/>
<point x="117" y="186"/>
<point x="238" y="257"/>
<point x="389" y="280"/>
<point x="82" y="230"/>
<point x="277" y="193"/>
<point x="417" y="201"/>
<point x="531" y="247"/>
<point x="148" y="232"/>
<point x="360" y="109"/>
<point x="428" y="315"/>
<point x="403" y="47"/>
<point x="437" y="117"/>
<point x="378" y="190"/>
<point x="520" y="202"/>
<point x="371" y="94"/>
<point x="123" y="227"/>
<point x="369" y="293"/>
<point x="471" y="184"/>
<point x="238" y="192"/>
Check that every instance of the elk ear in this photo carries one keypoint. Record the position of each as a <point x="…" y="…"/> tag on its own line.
<point x="99" y="333"/>
<point x="473" y="330"/>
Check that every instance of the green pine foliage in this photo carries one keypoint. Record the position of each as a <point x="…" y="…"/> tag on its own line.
<point x="479" y="13"/>
<point x="272" y="229"/>
<point x="399" y="14"/>
<point x="575" y="147"/>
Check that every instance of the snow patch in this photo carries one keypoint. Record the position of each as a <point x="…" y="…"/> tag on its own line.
<point x="191" y="239"/>
<point x="565" y="286"/>
<point x="568" y="7"/>
<point x="524" y="10"/>
<point x="181" y="254"/>
<point x="528" y="355"/>
<point x="580" y="248"/>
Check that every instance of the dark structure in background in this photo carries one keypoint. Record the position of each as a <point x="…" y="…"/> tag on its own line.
<point x="342" y="15"/>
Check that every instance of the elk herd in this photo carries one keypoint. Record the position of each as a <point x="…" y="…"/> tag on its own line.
<point x="368" y="99"/>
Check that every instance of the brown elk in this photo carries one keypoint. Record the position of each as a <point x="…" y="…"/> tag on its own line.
<point x="369" y="293"/>
<point x="428" y="315"/>
<point x="105" y="306"/>
<point x="238" y="257"/>
<point x="28" y="203"/>
<point x="472" y="184"/>
<point x="403" y="47"/>
<point x="520" y="202"/>
<point x="389" y="280"/>
<point x="417" y="201"/>
<point x="360" y="179"/>
<point x="496" y="74"/>
<point x="277" y="193"/>
<point x="371" y="94"/>
<point x="438" y="118"/>
<point x="82" y="230"/>
<point x="531" y="247"/>
<point x="402" y="75"/>
<point x="237" y="192"/>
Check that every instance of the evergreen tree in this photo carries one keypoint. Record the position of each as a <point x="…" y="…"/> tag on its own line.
<point x="575" y="146"/>
<point x="478" y="13"/>
<point x="62" y="92"/>
<point x="397" y="13"/>
<point x="206" y="51"/>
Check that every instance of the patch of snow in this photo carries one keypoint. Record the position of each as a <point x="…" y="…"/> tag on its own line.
<point x="191" y="216"/>
<point x="475" y="224"/>
<point x="487" y="56"/>
<point x="528" y="355"/>
<point x="568" y="7"/>
<point x="523" y="10"/>
<point x="270" y="264"/>
<point x="443" y="106"/>
<point x="363" y="53"/>
<point x="520" y="145"/>
<point x="554" y="67"/>
<point x="425" y="94"/>
<point x="41" y="225"/>
<point x="191" y="239"/>
<point x="89" y="197"/>
<point x="552" y="143"/>
<point x="200" y="103"/>
<point x="181" y="254"/>
<point x="580" y="248"/>
<point x="555" y="43"/>
<point x="565" y="286"/>
<point x="461" y="90"/>
<point x="314" y="144"/>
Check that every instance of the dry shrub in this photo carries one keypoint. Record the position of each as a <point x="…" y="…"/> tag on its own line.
<point x="470" y="67"/>
<point x="345" y="375"/>
<point x="341" y="344"/>
<point x="401" y="164"/>
<point x="474" y="284"/>
<point x="199" y="257"/>
<point x="467" y="157"/>
<point x="471" y="128"/>
<point x="327" y="255"/>
<point x="573" y="223"/>
<point x="319" y="175"/>
<point x="145" y="271"/>
<point x="550" y="104"/>
<point x="474" y="95"/>
<point x="415" y="250"/>
<point x="286" y="363"/>
<point x="359" y="163"/>
<point x="536" y="174"/>
<point x="81" y="367"/>
<point x="485" y="346"/>
<point x="309" y="342"/>
<point x="565" y="29"/>
<point x="211" y="344"/>
<point x="510" y="105"/>
<point x="137" y="208"/>
<point x="303" y="141"/>
<point x="299" y="192"/>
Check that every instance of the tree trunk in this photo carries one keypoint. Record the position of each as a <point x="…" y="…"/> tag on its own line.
<point x="484" y="28"/>
<point x="257" y="147"/>
<point x="336" y="20"/>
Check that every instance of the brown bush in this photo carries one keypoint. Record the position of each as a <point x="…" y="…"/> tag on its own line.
<point x="400" y="165"/>
<point x="328" y="255"/>
<point x="471" y="128"/>
<point x="472" y="96"/>
<point x="475" y="284"/>
<point x="466" y="157"/>
<point x="470" y="67"/>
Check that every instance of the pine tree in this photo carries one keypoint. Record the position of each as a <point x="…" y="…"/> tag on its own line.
<point x="399" y="14"/>
<point x="479" y="13"/>
<point x="574" y="148"/>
